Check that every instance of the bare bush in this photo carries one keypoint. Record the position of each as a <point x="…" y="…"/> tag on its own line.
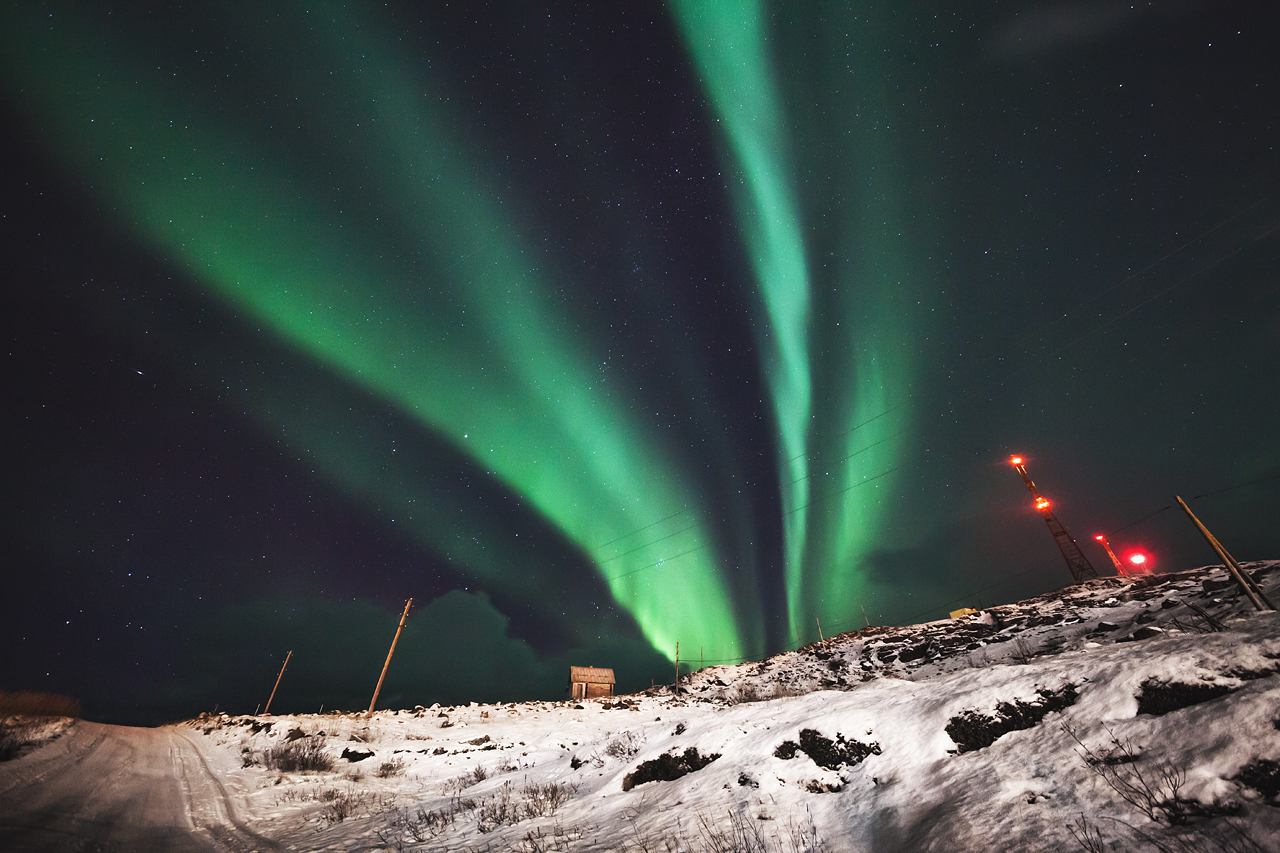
<point x="1225" y="837"/>
<point x="1153" y="788"/>
<point x="422" y="824"/>
<point x="783" y="691"/>
<point x="558" y="841"/>
<point x="533" y="800"/>
<point x="1022" y="650"/>
<point x="458" y="784"/>
<point x="497" y="810"/>
<point x="542" y="800"/>
<point x="743" y="835"/>
<point x="624" y="745"/>
<point x="1087" y="835"/>
<point x="389" y="768"/>
<point x="305" y="753"/>
<point x="340" y="805"/>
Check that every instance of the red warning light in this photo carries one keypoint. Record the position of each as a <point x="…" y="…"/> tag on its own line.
<point x="1015" y="460"/>
<point x="1139" y="562"/>
<point x="1100" y="537"/>
<point x="1042" y="503"/>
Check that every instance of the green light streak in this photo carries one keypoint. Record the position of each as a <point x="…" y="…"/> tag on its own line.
<point x="422" y="290"/>
<point x="728" y="46"/>
<point x="835" y="334"/>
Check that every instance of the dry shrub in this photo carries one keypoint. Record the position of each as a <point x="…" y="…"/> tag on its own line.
<point x="535" y="800"/>
<point x="458" y="784"/>
<point x="667" y="767"/>
<point x="38" y="704"/>
<point x="624" y="745"/>
<point x="1152" y="787"/>
<point x="827" y="753"/>
<point x="1162" y="697"/>
<point x="392" y="767"/>
<point x="972" y="730"/>
<point x="305" y="753"/>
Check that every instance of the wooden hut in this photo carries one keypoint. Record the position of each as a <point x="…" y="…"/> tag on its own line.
<point x="589" y="682"/>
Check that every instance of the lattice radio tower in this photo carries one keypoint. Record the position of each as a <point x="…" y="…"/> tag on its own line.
<point x="1077" y="562"/>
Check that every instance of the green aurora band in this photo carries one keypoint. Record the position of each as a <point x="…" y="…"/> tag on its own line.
<point x="500" y="370"/>
<point x="810" y="341"/>
<point x="454" y="320"/>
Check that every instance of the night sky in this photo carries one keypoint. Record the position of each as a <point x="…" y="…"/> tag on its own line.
<point x="597" y="329"/>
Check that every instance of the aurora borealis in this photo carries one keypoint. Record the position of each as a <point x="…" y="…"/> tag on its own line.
<point x="598" y="331"/>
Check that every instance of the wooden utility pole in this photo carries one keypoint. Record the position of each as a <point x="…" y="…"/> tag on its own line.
<point x="677" y="668"/>
<point x="821" y="639"/>
<point x="267" y="710"/>
<point x="1251" y="590"/>
<point x="399" y="628"/>
<point x="864" y="615"/>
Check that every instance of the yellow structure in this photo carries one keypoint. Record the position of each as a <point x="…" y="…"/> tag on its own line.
<point x="963" y="611"/>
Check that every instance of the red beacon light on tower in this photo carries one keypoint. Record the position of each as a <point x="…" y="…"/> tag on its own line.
<point x="1134" y="563"/>
<point x="1077" y="562"/>
<point x="1139" y="563"/>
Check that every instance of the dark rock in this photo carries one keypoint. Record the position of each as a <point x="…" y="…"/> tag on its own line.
<point x="667" y="767"/>
<point x="1158" y="698"/>
<point x="1262" y="775"/>
<point x="914" y="654"/>
<point x="972" y="730"/>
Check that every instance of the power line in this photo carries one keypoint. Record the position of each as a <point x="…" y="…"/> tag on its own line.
<point x="1007" y="578"/>
<point x="813" y="455"/>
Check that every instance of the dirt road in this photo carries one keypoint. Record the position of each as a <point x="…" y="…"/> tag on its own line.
<point x="116" y="788"/>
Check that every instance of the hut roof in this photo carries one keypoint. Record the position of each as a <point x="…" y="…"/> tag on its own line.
<point x="591" y="675"/>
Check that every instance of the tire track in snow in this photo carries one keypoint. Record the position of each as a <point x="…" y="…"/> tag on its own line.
<point x="222" y="805"/>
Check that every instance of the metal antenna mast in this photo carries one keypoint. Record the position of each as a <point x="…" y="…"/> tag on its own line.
<point x="1077" y="562"/>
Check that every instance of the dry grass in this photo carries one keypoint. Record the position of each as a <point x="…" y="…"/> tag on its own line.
<point x="38" y="704"/>
<point x="307" y="753"/>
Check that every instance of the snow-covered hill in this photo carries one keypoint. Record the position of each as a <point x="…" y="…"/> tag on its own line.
<point x="1121" y="714"/>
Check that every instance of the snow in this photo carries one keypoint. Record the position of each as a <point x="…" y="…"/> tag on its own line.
<point x="893" y="690"/>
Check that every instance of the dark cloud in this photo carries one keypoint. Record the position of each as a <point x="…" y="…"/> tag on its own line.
<point x="454" y="649"/>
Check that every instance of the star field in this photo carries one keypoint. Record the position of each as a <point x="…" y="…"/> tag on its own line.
<point x="597" y="331"/>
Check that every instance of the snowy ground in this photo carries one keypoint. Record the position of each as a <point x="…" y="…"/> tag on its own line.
<point x="1122" y="714"/>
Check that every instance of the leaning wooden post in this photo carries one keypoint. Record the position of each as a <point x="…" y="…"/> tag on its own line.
<point x="267" y="710"/>
<point x="821" y="639"/>
<point x="399" y="628"/>
<point x="677" y="667"/>
<point x="1251" y="589"/>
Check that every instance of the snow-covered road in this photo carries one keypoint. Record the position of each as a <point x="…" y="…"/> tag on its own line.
<point x="100" y="787"/>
